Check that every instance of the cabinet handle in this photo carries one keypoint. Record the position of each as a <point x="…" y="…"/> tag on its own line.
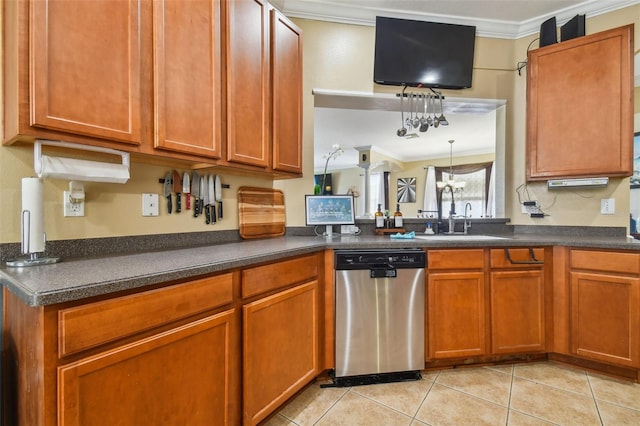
<point x="533" y="260"/>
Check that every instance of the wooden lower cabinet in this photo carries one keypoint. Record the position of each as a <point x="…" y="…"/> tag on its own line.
<point x="181" y="376"/>
<point x="517" y="312"/>
<point x="605" y="318"/>
<point x="518" y="300"/>
<point x="280" y="349"/>
<point x="456" y="315"/>
<point x="604" y="306"/>
<point x="456" y="304"/>
<point x="224" y="349"/>
<point x="168" y="356"/>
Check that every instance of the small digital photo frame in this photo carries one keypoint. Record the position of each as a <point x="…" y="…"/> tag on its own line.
<point x="329" y="210"/>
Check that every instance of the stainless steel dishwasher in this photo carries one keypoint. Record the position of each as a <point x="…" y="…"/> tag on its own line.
<point x="380" y="303"/>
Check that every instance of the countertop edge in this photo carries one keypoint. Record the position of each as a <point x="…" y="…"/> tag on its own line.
<point x="36" y="287"/>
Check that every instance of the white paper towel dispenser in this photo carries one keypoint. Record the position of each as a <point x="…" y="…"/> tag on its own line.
<point x="80" y="170"/>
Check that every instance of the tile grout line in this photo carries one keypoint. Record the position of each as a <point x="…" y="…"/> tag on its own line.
<point x="433" y="382"/>
<point x="381" y="404"/>
<point x="513" y="370"/>
<point x="593" y="395"/>
<point x="332" y="405"/>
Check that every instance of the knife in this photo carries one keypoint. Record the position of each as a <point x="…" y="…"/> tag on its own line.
<point x="167" y="190"/>
<point x="205" y="194"/>
<point x="186" y="189"/>
<point x="201" y="197"/>
<point x="177" y="188"/>
<point x="195" y="191"/>
<point x="212" y="199"/>
<point x="219" y="195"/>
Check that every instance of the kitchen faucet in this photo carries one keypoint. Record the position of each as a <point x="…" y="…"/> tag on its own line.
<point x="452" y="212"/>
<point x="467" y="218"/>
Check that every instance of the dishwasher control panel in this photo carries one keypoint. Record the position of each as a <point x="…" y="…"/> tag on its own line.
<point x="375" y="259"/>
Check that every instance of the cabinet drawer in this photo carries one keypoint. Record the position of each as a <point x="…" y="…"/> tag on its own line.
<point x="262" y="279"/>
<point x="93" y="324"/>
<point x="455" y="259"/>
<point x="627" y="263"/>
<point x="533" y="257"/>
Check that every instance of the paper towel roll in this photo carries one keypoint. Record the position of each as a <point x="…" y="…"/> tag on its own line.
<point x="32" y="225"/>
<point x="82" y="170"/>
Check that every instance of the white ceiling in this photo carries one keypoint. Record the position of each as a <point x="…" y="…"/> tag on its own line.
<point x="354" y="119"/>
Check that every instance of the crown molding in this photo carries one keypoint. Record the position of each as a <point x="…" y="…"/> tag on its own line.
<point x="364" y="15"/>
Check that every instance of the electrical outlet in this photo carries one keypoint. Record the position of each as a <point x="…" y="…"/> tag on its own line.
<point x="526" y="209"/>
<point x="349" y="229"/>
<point x="72" y="209"/>
<point x="608" y="206"/>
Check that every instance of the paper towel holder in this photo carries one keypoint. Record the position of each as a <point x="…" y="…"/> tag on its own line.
<point x="31" y="227"/>
<point x="34" y="259"/>
<point x="38" y="163"/>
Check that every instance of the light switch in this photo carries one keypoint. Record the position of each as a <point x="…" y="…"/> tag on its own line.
<point x="149" y="204"/>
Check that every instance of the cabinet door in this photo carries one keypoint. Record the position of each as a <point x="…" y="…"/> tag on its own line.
<point x="86" y="68"/>
<point x="580" y="107"/>
<point x="286" y="66"/>
<point x="248" y="88"/>
<point x="280" y="348"/>
<point x="182" y="376"/>
<point x="456" y="312"/>
<point x="517" y="312"/>
<point x="187" y="76"/>
<point x="605" y="317"/>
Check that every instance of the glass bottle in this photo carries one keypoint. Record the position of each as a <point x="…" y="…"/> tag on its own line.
<point x="379" y="217"/>
<point x="397" y="217"/>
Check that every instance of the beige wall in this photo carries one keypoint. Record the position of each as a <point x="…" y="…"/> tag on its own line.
<point x="571" y="207"/>
<point x="338" y="57"/>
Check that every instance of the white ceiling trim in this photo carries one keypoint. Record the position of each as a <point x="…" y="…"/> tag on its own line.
<point x="334" y="11"/>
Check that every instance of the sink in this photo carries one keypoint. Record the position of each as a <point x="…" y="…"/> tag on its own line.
<point x="463" y="237"/>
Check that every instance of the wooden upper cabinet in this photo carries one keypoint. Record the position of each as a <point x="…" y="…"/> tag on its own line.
<point x="212" y="81"/>
<point x="580" y="107"/>
<point x="187" y="76"/>
<point x="85" y="68"/>
<point x="286" y="66"/>
<point x="248" y="89"/>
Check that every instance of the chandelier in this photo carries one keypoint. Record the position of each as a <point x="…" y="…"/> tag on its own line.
<point x="457" y="186"/>
<point x="422" y="112"/>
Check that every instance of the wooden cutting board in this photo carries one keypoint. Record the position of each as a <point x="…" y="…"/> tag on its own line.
<point x="261" y="212"/>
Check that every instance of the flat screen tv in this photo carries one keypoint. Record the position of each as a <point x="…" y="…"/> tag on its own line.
<point x="423" y="54"/>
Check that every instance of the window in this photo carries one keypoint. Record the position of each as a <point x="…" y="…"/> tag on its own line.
<point x="476" y="190"/>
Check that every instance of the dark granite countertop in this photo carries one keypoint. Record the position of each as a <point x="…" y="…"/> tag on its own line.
<point x="76" y="279"/>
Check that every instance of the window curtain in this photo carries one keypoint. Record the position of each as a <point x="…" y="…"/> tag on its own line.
<point x="379" y="186"/>
<point x="490" y="210"/>
<point x="430" y="205"/>
<point x="468" y="168"/>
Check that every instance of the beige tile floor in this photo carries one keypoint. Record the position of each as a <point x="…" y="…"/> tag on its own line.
<point x="522" y="394"/>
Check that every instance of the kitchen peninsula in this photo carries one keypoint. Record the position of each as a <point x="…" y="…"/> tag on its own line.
<point x="212" y="312"/>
